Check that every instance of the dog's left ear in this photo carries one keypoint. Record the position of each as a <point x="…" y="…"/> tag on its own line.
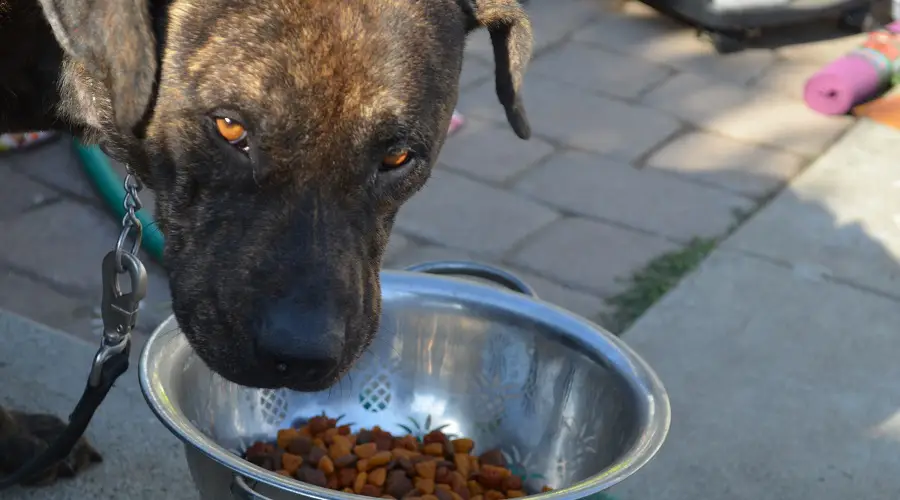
<point x="511" y="37"/>
<point x="113" y="40"/>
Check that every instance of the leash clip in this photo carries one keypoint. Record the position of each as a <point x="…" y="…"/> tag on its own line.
<point x="118" y="310"/>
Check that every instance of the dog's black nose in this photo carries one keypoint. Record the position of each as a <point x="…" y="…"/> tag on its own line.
<point x="300" y="342"/>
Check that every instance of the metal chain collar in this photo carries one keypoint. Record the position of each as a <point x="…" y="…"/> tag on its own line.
<point x="119" y="309"/>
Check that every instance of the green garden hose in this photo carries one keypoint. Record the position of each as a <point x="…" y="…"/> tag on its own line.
<point x="108" y="184"/>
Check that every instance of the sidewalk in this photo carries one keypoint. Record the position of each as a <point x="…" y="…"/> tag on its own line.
<point x="780" y="352"/>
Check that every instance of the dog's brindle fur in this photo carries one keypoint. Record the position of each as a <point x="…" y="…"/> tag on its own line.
<point x="272" y="254"/>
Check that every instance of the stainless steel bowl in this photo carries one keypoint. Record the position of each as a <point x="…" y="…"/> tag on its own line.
<point x="567" y="402"/>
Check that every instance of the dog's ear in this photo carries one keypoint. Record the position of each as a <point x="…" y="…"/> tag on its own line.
<point x="511" y="38"/>
<point x="113" y="40"/>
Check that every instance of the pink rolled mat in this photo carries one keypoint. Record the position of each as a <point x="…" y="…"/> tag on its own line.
<point x="844" y="83"/>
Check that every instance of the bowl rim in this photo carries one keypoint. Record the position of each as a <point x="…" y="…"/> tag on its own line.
<point x="642" y="379"/>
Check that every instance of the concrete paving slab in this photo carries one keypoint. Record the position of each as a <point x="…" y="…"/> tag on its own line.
<point x="840" y="216"/>
<point x="44" y="370"/>
<point x="19" y="193"/>
<point x="716" y="160"/>
<point x="466" y="214"/>
<point x="782" y="387"/>
<point x="642" y="32"/>
<point x="645" y="199"/>
<point x="578" y="118"/>
<point x="757" y="116"/>
<point x="589" y="255"/>
<point x="54" y="164"/>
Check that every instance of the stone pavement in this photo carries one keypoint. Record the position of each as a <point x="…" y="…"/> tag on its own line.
<point x="643" y="139"/>
<point x="780" y="351"/>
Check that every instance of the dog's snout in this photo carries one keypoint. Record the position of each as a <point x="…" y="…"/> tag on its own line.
<point x="301" y="342"/>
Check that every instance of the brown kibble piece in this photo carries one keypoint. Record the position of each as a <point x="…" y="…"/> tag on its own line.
<point x="384" y="442"/>
<point x="463" y="445"/>
<point x="291" y="462"/>
<point x="315" y="454"/>
<point x="546" y="488"/>
<point x="434" y="449"/>
<point x="424" y="484"/>
<point x="332" y="483"/>
<point x="378" y="476"/>
<point x="346" y="477"/>
<point x="370" y="490"/>
<point x="283" y="472"/>
<point x="379" y="459"/>
<point x="426" y="469"/>
<point x="311" y="476"/>
<point x="318" y="442"/>
<point x="457" y="496"/>
<point x="365" y="450"/>
<point x="347" y="490"/>
<point x="461" y="461"/>
<point x="398" y="484"/>
<point x="443" y="494"/>
<point x="318" y="424"/>
<point x="362" y="465"/>
<point x="493" y="495"/>
<point x="442" y="475"/>
<point x="515" y="494"/>
<point x="407" y="465"/>
<point x="512" y="482"/>
<point x="360" y="482"/>
<point x="326" y="465"/>
<point x="300" y="445"/>
<point x="429" y="497"/>
<point x="441" y="486"/>
<point x="475" y="488"/>
<point x="474" y="465"/>
<point x="285" y="436"/>
<point x="348" y="460"/>
<point x="330" y="434"/>
<point x="477" y="497"/>
<point x="344" y="430"/>
<point x="304" y="431"/>
<point x="492" y="457"/>
<point x="404" y="453"/>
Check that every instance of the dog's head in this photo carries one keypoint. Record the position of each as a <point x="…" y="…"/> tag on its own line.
<point x="280" y="138"/>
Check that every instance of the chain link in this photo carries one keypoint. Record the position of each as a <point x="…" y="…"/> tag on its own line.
<point x="131" y="225"/>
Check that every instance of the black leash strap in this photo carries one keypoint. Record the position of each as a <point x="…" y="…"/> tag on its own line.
<point x="119" y="311"/>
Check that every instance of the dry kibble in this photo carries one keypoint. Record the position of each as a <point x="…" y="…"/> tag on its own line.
<point x="360" y="482"/>
<point x="493" y="495"/>
<point x="546" y="488"/>
<point x="365" y="450"/>
<point x="380" y="458"/>
<point x="370" y="490"/>
<point x="285" y="436"/>
<point x="347" y="477"/>
<point x="291" y="463"/>
<point x="424" y="485"/>
<point x="348" y="460"/>
<point x="463" y="445"/>
<point x="512" y="483"/>
<point x="426" y="469"/>
<point x="326" y="465"/>
<point x="378" y="476"/>
<point x="434" y="449"/>
<point x="377" y="464"/>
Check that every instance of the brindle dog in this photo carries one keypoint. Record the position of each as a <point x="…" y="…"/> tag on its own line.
<point x="280" y="138"/>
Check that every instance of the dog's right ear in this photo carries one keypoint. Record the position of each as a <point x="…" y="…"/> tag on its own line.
<point x="512" y="40"/>
<point x="113" y="40"/>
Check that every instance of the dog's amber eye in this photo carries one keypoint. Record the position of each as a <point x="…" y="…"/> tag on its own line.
<point x="395" y="160"/>
<point x="230" y="130"/>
